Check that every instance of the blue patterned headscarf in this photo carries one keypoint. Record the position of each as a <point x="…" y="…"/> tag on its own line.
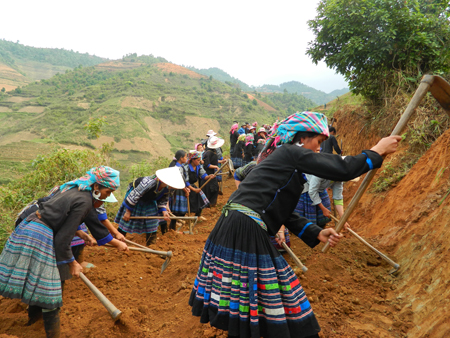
<point x="105" y="176"/>
<point x="285" y="131"/>
<point x="305" y="121"/>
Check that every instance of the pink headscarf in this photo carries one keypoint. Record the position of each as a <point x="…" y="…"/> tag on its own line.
<point x="234" y="127"/>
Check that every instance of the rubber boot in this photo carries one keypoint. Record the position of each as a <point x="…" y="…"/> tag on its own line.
<point x="173" y="224"/>
<point x="51" y="324"/>
<point x="34" y="314"/>
<point x="151" y="238"/>
<point x="163" y="226"/>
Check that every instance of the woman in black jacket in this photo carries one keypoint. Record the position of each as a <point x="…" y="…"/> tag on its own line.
<point x="243" y="284"/>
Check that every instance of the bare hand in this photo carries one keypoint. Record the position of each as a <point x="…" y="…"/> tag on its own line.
<point x="126" y="216"/>
<point x="119" y="237"/>
<point x="387" y="145"/>
<point x="121" y="246"/>
<point x="166" y="216"/>
<point x="186" y="191"/>
<point x="329" y="235"/>
<point x="90" y="241"/>
<point x="75" y="269"/>
<point x="280" y="238"/>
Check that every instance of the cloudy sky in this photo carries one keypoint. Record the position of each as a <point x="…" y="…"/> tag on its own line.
<point x="257" y="42"/>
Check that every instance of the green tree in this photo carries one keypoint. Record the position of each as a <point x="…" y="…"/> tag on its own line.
<point x="368" y="41"/>
<point x="94" y="127"/>
<point x="3" y="89"/>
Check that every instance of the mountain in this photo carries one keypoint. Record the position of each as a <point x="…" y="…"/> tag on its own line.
<point x="220" y="75"/>
<point x="318" y="96"/>
<point x="148" y="108"/>
<point x="20" y="65"/>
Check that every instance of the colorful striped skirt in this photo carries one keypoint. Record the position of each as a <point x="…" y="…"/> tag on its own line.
<point x="139" y="226"/>
<point x="244" y="285"/>
<point x="312" y="212"/>
<point x="28" y="268"/>
<point x="211" y="190"/>
<point x="287" y="241"/>
<point x="178" y="202"/>
<point x="237" y="162"/>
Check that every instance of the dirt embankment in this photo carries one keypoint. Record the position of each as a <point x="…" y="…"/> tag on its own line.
<point x="411" y="222"/>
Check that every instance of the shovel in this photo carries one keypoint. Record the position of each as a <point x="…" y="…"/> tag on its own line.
<point x="440" y="89"/>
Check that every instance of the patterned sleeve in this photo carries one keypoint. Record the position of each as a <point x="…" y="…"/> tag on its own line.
<point x="162" y="202"/>
<point x="133" y="197"/>
<point x="101" y="213"/>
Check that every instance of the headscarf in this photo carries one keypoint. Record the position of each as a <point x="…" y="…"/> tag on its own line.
<point x="194" y="154"/>
<point x="105" y="176"/>
<point x="241" y="138"/>
<point x="255" y="124"/>
<point x="234" y="127"/>
<point x="285" y="131"/>
<point x="196" y="145"/>
<point x="249" y="139"/>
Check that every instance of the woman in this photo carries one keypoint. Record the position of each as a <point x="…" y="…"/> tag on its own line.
<point x="233" y="139"/>
<point x="243" y="284"/>
<point x="37" y="258"/>
<point x="262" y="134"/>
<point x="239" y="151"/>
<point x="148" y="196"/>
<point x="315" y="204"/>
<point x="196" y="173"/>
<point x="178" y="201"/>
<point x="249" y="149"/>
<point x="211" y="164"/>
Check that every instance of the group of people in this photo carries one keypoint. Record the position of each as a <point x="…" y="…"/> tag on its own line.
<point x="243" y="284"/>
<point x="246" y="142"/>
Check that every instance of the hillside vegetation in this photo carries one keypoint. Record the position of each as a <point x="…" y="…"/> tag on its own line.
<point x="146" y="106"/>
<point x="20" y="64"/>
<point x="317" y="96"/>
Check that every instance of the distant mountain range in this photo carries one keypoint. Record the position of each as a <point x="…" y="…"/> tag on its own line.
<point x="294" y="87"/>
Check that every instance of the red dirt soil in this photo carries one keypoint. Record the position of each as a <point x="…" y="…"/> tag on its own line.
<point x="349" y="288"/>
<point x="170" y="67"/>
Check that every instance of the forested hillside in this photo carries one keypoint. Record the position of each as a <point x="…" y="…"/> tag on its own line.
<point x="220" y="75"/>
<point x="295" y="87"/>
<point x="147" y="108"/>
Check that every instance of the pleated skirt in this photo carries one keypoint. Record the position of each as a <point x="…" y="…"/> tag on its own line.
<point x="244" y="285"/>
<point x="28" y="269"/>
<point x="139" y="226"/>
<point x="312" y="212"/>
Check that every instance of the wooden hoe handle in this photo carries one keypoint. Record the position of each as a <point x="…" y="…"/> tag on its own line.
<point x="113" y="311"/>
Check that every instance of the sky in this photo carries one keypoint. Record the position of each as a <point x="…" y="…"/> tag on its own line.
<point x="258" y="42"/>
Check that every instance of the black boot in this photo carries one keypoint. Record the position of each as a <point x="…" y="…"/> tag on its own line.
<point x="52" y="324"/>
<point x="163" y="226"/>
<point x="173" y="224"/>
<point x="151" y="238"/>
<point x="34" y="314"/>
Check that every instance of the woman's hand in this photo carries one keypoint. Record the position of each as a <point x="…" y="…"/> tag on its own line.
<point x="329" y="235"/>
<point x="75" y="268"/>
<point x="325" y="211"/>
<point x="120" y="246"/>
<point x="126" y="215"/>
<point x="90" y="241"/>
<point x="186" y="191"/>
<point x="197" y="190"/>
<point x="119" y="236"/>
<point x="166" y="216"/>
<point x="387" y="145"/>
<point x="280" y="237"/>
